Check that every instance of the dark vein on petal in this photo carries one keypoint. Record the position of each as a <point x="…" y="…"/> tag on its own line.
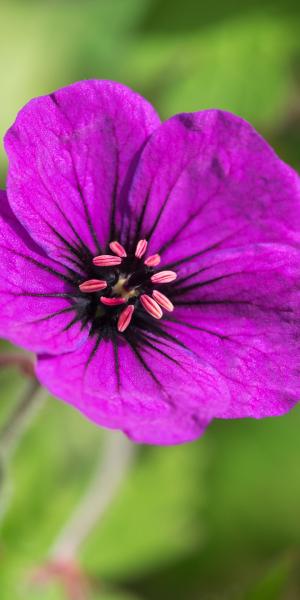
<point x="116" y="360"/>
<point x="52" y="96"/>
<point x="157" y="329"/>
<point x="198" y="328"/>
<point x="180" y="280"/>
<point x="73" y="249"/>
<point x="78" y="186"/>
<point x="234" y="303"/>
<point x="112" y="233"/>
<point x="57" y="313"/>
<point x="201" y="252"/>
<point x="186" y="223"/>
<point x="38" y="264"/>
<point x="180" y="261"/>
<point x="200" y="284"/>
<point x="139" y="223"/>
<point x="75" y="262"/>
<point x="146" y="341"/>
<point x="208" y="302"/>
<point x="41" y="295"/>
<point x="71" y="323"/>
<point x="166" y="200"/>
<point x="93" y="352"/>
<point x="144" y="364"/>
<point x="70" y="224"/>
<point x="85" y="208"/>
<point x="64" y="216"/>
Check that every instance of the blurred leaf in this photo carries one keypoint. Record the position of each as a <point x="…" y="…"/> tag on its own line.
<point x="272" y="586"/>
<point x="115" y="596"/>
<point x="168" y="16"/>
<point x="46" y="49"/>
<point x="241" y="66"/>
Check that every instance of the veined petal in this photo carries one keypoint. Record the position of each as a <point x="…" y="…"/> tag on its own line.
<point x="208" y="181"/>
<point x="71" y="156"/>
<point x="36" y="306"/>
<point x="157" y="393"/>
<point x="242" y="313"/>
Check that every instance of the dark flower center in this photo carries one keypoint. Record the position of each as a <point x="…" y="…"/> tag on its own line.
<point x="121" y="288"/>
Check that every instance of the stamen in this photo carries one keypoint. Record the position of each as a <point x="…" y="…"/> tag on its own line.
<point x="107" y="260"/>
<point x="151" y="306"/>
<point x="153" y="260"/>
<point x="112" y="301"/>
<point x="163" y="300"/>
<point x="118" y="249"/>
<point x="93" y="285"/>
<point x="164" y="277"/>
<point x="141" y="248"/>
<point x="125" y="318"/>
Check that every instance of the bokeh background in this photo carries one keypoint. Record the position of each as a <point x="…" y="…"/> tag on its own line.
<point x="219" y="518"/>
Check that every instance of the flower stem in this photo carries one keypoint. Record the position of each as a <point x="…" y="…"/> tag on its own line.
<point x="21" y="361"/>
<point x="11" y="433"/>
<point x="20" y="417"/>
<point x="115" y="460"/>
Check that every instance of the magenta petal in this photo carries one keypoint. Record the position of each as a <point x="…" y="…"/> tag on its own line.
<point x="71" y="156"/>
<point x="147" y="392"/>
<point x="35" y="309"/>
<point x="241" y="313"/>
<point x="208" y="180"/>
<point x="89" y="166"/>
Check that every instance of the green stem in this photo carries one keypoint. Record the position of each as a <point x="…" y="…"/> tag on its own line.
<point x="11" y="433"/>
<point x="20" y="417"/>
<point x="111" y="470"/>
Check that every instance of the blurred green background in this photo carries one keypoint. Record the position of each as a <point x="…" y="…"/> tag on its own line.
<point x="219" y="518"/>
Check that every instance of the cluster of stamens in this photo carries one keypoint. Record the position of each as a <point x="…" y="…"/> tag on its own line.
<point x="128" y="287"/>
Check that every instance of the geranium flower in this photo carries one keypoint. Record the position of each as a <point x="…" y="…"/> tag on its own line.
<point x="152" y="268"/>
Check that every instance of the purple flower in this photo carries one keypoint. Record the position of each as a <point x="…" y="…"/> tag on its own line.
<point x="153" y="268"/>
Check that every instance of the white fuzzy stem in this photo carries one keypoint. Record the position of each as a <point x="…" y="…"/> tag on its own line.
<point x="115" y="460"/>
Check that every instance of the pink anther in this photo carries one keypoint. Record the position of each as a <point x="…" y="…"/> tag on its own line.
<point x="112" y="301"/>
<point x="153" y="260"/>
<point x="141" y="248"/>
<point x="164" y="277"/>
<point x="118" y="249"/>
<point x="163" y="300"/>
<point x="125" y="318"/>
<point x="151" y="306"/>
<point x="93" y="285"/>
<point x="107" y="260"/>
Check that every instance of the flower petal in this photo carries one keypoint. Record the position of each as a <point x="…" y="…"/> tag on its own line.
<point x="241" y="312"/>
<point x="71" y="156"/>
<point x="208" y="180"/>
<point x="36" y="307"/>
<point x="156" y="393"/>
